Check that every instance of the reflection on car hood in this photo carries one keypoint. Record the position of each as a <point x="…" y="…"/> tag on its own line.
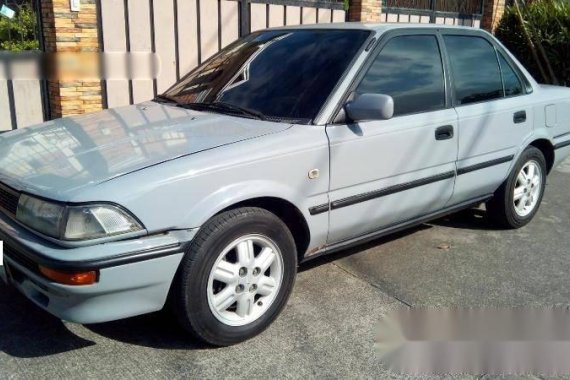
<point x="65" y="154"/>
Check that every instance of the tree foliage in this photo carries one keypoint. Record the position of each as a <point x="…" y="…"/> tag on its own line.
<point x="548" y="25"/>
<point x="18" y="34"/>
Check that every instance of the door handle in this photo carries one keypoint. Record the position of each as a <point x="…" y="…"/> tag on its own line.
<point x="444" y="133"/>
<point x="519" y="117"/>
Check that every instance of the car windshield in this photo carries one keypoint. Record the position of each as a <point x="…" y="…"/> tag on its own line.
<point x="274" y="75"/>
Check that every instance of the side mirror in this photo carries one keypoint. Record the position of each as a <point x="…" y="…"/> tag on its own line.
<point x="370" y="107"/>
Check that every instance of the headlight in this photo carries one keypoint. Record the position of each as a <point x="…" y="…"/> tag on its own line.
<point x="84" y="222"/>
<point x="42" y="216"/>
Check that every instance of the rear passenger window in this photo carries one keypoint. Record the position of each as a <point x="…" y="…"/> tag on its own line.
<point x="513" y="85"/>
<point x="475" y="69"/>
<point x="409" y="68"/>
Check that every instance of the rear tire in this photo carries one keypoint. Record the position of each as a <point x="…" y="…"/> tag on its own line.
<point x="236" y="276"/>
<point x="518" y="199"/>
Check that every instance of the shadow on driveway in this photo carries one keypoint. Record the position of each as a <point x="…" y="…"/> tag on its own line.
<point x="157" y="330"/>
<point x="26" y="331"/>
<point x="327" y="258"/>
<point x="470" y="219"/>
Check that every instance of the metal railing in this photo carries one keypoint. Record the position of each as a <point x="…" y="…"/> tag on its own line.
<point x="429" y="7"/>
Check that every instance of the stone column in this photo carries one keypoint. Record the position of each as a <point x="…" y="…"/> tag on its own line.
<point x="365" y="10"/>
<point x="492" y="13"/>
<point x="66" y="31"/>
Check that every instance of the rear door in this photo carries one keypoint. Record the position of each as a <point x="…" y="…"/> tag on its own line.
<point x="495" y="116"/>
<point x="384" y="172"/>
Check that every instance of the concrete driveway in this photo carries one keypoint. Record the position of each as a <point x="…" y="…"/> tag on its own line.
<point x="327" y="329"/>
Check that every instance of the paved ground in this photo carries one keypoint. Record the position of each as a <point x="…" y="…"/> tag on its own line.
<point x="327" y="328"/>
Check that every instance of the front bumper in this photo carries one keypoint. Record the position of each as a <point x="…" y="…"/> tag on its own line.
<point x="134" y="275"/>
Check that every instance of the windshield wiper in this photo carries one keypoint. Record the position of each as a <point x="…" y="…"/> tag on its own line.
<point x="225" y="107"/>
<point x="164" y="99"/>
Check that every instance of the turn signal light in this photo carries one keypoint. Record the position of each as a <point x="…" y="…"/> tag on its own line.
<point x="67" y="278"/>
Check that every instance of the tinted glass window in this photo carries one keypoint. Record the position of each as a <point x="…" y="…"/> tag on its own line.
<point x="513" y="85"/>
<point x="475" y="68"/>
<point x="409" y="69"/>
<point x="280" y="74"/>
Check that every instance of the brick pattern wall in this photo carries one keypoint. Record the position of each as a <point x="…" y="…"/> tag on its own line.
<point x="492" y="14"/>
<point x="67" y="32"/>
<point x="365" y="10"/>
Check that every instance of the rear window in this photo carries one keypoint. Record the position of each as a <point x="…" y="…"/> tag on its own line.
<point x="513" y="85"/>
<point x="475" y="69"/>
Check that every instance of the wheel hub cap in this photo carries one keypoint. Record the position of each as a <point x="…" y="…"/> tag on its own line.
<point x="527" y="188"/>
<point x="245" y="280"/>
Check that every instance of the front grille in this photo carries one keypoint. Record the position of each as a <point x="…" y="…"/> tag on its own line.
<point x="8" y="199"/>
<point x="18" y="257"/>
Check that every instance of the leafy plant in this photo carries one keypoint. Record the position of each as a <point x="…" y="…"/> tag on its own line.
<point x="547" y="23"/>
<point x="18" y="34"/>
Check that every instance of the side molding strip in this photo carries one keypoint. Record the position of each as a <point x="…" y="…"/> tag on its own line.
<point x="352" y="200"/>
<point x="319" y="209"/>
<point x="393" y="228"/>
<point x="484" y="165"/>
<point x="562" y="135"/>
<point x="562" y="144"/>
<point x="349" y="201"/>
<point x="355" y="199"/>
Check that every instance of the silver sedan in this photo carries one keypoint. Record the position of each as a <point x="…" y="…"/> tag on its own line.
<point x="288" y="144"/>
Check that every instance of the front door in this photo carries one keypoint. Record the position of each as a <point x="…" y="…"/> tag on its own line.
<point x="386" y="172"/>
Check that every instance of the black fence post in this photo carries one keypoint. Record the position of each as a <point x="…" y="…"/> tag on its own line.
<point x="244" y="16"/>
<point x="432" y="7"/>
<point x="46" y="111"/>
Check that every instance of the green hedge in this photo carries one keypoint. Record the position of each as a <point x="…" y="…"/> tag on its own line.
<point x="17" y="34"/>
<point x="548" y="23"/>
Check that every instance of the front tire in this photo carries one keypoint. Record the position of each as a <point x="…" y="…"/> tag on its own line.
<point x="519" y="197"/>
<point x="236" y="276"/>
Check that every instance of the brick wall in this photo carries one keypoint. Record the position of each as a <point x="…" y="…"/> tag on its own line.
<point x="365" y="10"/>
<point x="492" y="14"/>
<point x="68" y="33"/>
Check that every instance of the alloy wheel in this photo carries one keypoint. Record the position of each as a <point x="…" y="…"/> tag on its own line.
<point x="528" y="188"/>
<point x="245" y="280"/>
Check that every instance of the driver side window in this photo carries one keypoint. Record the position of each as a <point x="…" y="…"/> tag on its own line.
<point x="410" y="70"/>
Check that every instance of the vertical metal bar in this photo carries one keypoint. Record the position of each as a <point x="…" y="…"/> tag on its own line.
<point x="245" y="18"/>
<point x="11" y="100"/>
<point x="102" y="52"/>
<point x="43" y="79"/>
<point x="220" y="25"/>
<point x="153" y="47"/>
<point x="40" y="24"/>
<point x="128" y="47"/>
<point x="199" y="31"/>
<point x="176" y="41"/>
<point x="432" y="6"/>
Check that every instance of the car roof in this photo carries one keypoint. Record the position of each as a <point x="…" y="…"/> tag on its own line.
<point x="379" y="28"/>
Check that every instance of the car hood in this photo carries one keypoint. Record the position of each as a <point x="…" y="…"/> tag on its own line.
<point x="63" y="155"/>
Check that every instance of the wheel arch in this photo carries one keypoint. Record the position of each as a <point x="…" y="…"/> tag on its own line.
<point x="547" y="149"/>
<point x="287" y="212"/>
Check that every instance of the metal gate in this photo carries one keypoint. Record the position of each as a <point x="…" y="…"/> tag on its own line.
<point x="183" y="33"/>
<point x="23" y="99"/>
<point x="450" y="12"/>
